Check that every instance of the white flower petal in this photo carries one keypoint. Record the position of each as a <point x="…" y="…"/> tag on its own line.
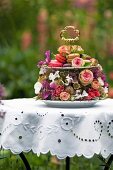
<point x="37" y="87"/>
<point x="84" y="94"/>
<point x="52" y="76"/>
<point x="101" y="81"/>
<point x="57" y="74"/>
<point x="106" y="89"/>
<point x="42" y="70"/>
<point x="78" y="97"/>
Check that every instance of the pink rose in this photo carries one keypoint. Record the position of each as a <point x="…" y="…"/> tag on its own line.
<point x="77" y="62"/>
<point x="58" y="90"/>
<point x="86" y="77"/>
<point x="64" y="96"/>
<point x="64" y="50"/>
<point x="95" y="84"/>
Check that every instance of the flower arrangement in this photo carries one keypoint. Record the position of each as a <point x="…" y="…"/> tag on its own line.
<point x="71" y="76"/>
<point x="71" y="85"/>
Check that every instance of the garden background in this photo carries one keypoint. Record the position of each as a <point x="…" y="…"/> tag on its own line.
<point x="27" y="29"/>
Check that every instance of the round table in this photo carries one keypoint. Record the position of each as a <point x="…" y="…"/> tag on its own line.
<point x="27" y="124"/>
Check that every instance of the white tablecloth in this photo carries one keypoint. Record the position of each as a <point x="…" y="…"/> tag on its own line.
<point x="26" y="124"/>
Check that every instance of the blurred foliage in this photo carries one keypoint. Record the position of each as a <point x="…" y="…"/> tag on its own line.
<point x="27" y="29"/>
<point x="47" y="162"/>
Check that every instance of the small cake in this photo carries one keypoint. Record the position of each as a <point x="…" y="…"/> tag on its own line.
<point x="71" y="75"/>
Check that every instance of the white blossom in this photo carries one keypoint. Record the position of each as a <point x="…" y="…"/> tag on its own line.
<point x="37" y="87"/>
<point x="52" y="76"/>
<point x="106" y="89"/>
<point x="78" y="95"/>
<point x="42" y="70"/>
<point x="101" y="81"/>
<point x="68" y="79"/>
<point x="84" y="94"/>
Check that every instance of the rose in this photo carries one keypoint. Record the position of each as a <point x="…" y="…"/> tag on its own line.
<point x="86" y="77"/>
<point x="64" y="49"/>
<point x="64" y="96"/>
<point x="95" y="84"/>
<point x="93" y="93"/>
<point x="77" y="62"/>
<point x="97" y="93"/>
<point x="58" y="90"/>
<point x="69" y="89"/>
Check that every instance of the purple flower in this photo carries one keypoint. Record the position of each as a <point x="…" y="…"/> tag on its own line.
<point x="45" y="85"/>
<point x="40" y="63"/>
<point x="47" y="59"/>
<point x="106" y="84"/>
<point x="52" y="85"/>
<point x="45" y="94"/>
<point x="47" y="56"/>
<point x="96" y="73"/>
<point x="103" y="77"/>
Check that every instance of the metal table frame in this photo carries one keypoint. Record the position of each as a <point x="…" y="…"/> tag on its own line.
<point x="27" y="166"/>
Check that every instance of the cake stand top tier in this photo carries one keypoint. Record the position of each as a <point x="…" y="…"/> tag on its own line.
<point x="70" y="54"/>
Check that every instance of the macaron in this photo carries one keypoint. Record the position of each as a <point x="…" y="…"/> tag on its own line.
<point x="67" y="65"/>
<point x="70" y="57"/>
<point x="60" y="58"/>
<point x="55" y="63"/>
<point x="94" y="62"/>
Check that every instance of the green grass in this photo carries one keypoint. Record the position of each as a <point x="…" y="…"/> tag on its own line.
<point x="44" y="162"/>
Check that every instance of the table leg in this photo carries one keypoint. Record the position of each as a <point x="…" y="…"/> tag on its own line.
<point x="67" y="163"/>
<point x="108" y="163"/>
<point x="26" y="163"/>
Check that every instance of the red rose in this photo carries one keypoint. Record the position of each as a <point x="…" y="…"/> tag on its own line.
<point x="97" y="93"/>
<point x="92" y="94"/>
<point x="88" y="97"/>
<point x="58" y="90"/>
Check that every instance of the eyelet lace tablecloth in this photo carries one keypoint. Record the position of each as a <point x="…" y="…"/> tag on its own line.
<point x="27" y="124"/>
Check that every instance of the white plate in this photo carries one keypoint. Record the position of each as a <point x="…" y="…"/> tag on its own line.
<point x="69" y="104"/>
<point x="71" y="68"/>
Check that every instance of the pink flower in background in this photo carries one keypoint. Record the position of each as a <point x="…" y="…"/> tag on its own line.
<point x="108" y="13"/>
<point x="109" y="48"/>
<point x="110" y="94"/>
<point x="77" y="62"/>
<point x="26" y="40"/>
<point x="111" y="75"/>
<point x="42" y="28"/>
<point x="89" y="4"/>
